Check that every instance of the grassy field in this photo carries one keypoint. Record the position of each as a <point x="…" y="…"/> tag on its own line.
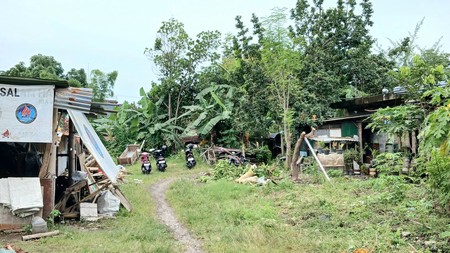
<point x="138" y="231"/>
<point x="380" y="215"/>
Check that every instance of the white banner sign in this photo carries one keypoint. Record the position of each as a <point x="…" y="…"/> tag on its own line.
<point x="26" y="113"/>
<point x="94" y="144"/>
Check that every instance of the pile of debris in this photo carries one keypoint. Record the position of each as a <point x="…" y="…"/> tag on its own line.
<point x="92" y="194"/>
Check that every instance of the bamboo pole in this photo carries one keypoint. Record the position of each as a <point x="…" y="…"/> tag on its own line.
<point x="39" y="235"/>
<point x="317" y="159"/>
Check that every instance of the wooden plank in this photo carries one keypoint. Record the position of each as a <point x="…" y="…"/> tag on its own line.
<point x="40" y="235"/>
<point x="91" y="181"/>
<point x="54" y="148"/>
<point x="46" y="161"/>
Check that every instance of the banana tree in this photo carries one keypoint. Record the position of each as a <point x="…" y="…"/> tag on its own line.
<point x="209" y="110"/>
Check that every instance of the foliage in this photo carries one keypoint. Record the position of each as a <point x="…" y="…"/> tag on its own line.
<point x="389" y="163"/>
<point x="262" y="154"/>
<point x="268" y="171"/>
<point x="214" y="106"/>
<point x="351" y="155"/>
<point x="77" y="78"/>
<point x="419" y="77"/>
<point x="223" y="169"/>
<point x="438" y="168"/>
<point x="41" y="66"/>
<point x="435" y="132"/>
<point x="54" y="214"/>
<point x="392" y="189"/>
<point x="47" y="67"/>
<point x="102" y="84"/>
<point x="229" y="138"/>
<point x="396" y="120"/>
<point x="336" y="37"/>
<point x="346" y="215"/>
<point x="178" y="59"/>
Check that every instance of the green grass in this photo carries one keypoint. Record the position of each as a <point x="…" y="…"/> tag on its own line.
<point x="138" y="231"/>
<point x="338" y="217"/>
<point x="311" y="217"/>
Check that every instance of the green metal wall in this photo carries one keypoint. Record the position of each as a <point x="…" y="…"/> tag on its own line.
<point x="349" y="129"/>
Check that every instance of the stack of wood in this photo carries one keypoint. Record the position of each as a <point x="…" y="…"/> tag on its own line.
<point x="89" y="189"/>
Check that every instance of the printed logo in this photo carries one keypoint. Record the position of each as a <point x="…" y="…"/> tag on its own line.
<point x="26" y="113"/>
<point x="6" y="134"/>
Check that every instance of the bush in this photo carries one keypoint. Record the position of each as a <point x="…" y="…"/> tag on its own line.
<point x="350" y="155"/>
<point x="389" y="163"/>
<point x="438" y="168"/>
<point x="263" y="154"/>
<point x="223" y="169"/>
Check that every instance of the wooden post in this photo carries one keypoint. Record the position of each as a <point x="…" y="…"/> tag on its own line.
<point x="360" y="142"/>
<point x="317" y="159"/>
<point x="71" y="150"/>
<point x="414" y="142"/>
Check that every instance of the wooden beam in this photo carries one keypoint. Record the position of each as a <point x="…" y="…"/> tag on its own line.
<point x="39" y="235"/>
<point x="317" y="159"/>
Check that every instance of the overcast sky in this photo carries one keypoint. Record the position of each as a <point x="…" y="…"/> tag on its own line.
<point x="112" y="35"/>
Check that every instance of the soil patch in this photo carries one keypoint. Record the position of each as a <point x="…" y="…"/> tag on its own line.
<point x="167" y="216"/>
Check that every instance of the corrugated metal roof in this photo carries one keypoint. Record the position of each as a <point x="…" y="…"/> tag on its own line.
<point x="67" y="97"/>
<point x="74" y="98"/>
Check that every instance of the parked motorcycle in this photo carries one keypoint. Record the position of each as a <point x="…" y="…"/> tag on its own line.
<point x="161" y="163"/>
<point x="237" y="158"/>
<point x="146" y="167"/>
<point x="190" y="160"/>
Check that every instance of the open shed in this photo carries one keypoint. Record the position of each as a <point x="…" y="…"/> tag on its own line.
<point x="33" y="149"/>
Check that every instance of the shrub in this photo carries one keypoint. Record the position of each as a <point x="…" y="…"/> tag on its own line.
<point x="263" y="154"/>
<point x="389" y="163"/>
<point x="438" y="168"/>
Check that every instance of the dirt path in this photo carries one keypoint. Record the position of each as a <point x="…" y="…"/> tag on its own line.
<point x="167" y="216"/>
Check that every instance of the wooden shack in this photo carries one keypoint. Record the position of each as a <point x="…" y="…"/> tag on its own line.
<point x="32" y="114"/>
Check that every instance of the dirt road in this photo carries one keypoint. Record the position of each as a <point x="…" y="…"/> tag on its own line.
<point x="167" y="216"/>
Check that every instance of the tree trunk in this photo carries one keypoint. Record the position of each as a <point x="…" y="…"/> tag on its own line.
<point x="294" y="168"/>
<point x="170" y="105"/>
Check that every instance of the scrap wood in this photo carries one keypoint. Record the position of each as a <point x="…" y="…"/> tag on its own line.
<point x="247" y="174"/>
<point x="40" y="235"/>
<point x="92" y="183"/>
<point x="46" y="161"/>
<point x="12" y="231"/>
<point x="253" y="179"/>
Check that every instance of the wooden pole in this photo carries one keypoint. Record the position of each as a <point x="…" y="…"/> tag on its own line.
<point x="317" y="160"/>
<point x="360" y="142"/>
<point x="39" y="235"/>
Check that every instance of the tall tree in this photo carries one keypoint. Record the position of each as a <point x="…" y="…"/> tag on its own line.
<point x="178" y="59"/>
<point x="77" y="77"/>
<point x="337" y="48"/>
<point x="102" y="84"/>
<point x="281" y="63"/>
<point x="41" y="66"/>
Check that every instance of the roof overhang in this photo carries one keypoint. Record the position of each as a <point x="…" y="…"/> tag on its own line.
<point x="32" y="81"/>
<point x="372" y="102"/>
